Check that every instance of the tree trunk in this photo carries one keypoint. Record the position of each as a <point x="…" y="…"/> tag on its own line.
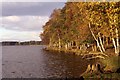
<point x="77" y="45"/>
<point x="93" y="48"/>
<point x="59" y="43"/>
<point x="50" y="43"/>
<point x="80" y="47"/>
<point x="107" y="41"/>
<point x="117" y="39"/>
<point x="101" y="43"/>
<point x="92" y="69"/>
<point x="66" y="46"/>
<point x="70" y="44"/>
<point x="95" y="39"/>
<point x="103" y="40"/>
<point x="114" y="45"/>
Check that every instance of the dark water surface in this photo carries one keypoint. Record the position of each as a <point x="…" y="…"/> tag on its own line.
<point x="33" y="62"/>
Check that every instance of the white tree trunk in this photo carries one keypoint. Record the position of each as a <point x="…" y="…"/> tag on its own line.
<point x="95" y="39"/>
<point x="117" y="39"/>
<point x="107" y="41"/>
<point x="93" y="48"/>
<point x="101" y="43"/>
<point x="113" y="40"/>
<point x="59" y="43"/>
<point x="66" y="46"/>
<point x="99" y="46"/>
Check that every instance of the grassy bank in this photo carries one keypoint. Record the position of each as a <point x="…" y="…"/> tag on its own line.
<point x="111" y="70"/>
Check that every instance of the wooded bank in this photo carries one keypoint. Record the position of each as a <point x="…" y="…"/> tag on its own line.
<point x="84" y="28"/>
<point x="80" y="26"/>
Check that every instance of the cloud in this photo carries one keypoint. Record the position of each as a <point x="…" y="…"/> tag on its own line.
<point x="34" y="0"/>
<point x="21" y="28"/>
<point x="24" y="20"/>
<point x="13" y="18"/>
<point x="29" y="8"/>
<point x="11" y="35"/>
<point x="24" y="23"/>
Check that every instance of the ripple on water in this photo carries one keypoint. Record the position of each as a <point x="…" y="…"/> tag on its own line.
<point x="32" y="61"/>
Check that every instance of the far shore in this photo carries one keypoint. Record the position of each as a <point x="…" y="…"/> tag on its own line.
<point x="15" y="43"/>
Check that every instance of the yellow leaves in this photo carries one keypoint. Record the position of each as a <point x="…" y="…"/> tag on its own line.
<point x="103" y="18"/>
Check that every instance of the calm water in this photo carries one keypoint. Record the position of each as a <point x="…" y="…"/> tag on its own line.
<point x="33" y="62"/>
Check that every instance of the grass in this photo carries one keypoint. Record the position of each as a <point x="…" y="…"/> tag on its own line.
<point x="111" y="76"/>
<point x="111" y="65"/>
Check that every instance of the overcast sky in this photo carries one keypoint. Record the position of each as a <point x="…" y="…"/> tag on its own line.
<point x="23" y="21"/>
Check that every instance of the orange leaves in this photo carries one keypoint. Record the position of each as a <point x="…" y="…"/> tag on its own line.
<point x="71" y="22"/>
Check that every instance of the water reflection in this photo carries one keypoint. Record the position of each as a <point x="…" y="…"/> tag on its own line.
<point x="33" y="62"/>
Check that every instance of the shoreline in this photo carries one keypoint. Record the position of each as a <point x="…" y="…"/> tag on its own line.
<point x="69" y="51"/>
<point x="108" y="64"/>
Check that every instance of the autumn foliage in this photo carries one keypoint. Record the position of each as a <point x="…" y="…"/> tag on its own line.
<point x="80" y="23"/>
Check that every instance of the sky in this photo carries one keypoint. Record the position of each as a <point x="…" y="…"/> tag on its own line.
<point x="23" y="21"/>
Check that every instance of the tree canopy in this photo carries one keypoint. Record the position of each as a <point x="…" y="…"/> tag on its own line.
<point x="84" y="22"/>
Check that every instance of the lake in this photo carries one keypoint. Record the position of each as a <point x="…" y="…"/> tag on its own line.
<point x="33" y="62"/>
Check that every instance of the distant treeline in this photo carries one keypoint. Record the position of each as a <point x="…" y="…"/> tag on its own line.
<point x="21" y="43"/>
